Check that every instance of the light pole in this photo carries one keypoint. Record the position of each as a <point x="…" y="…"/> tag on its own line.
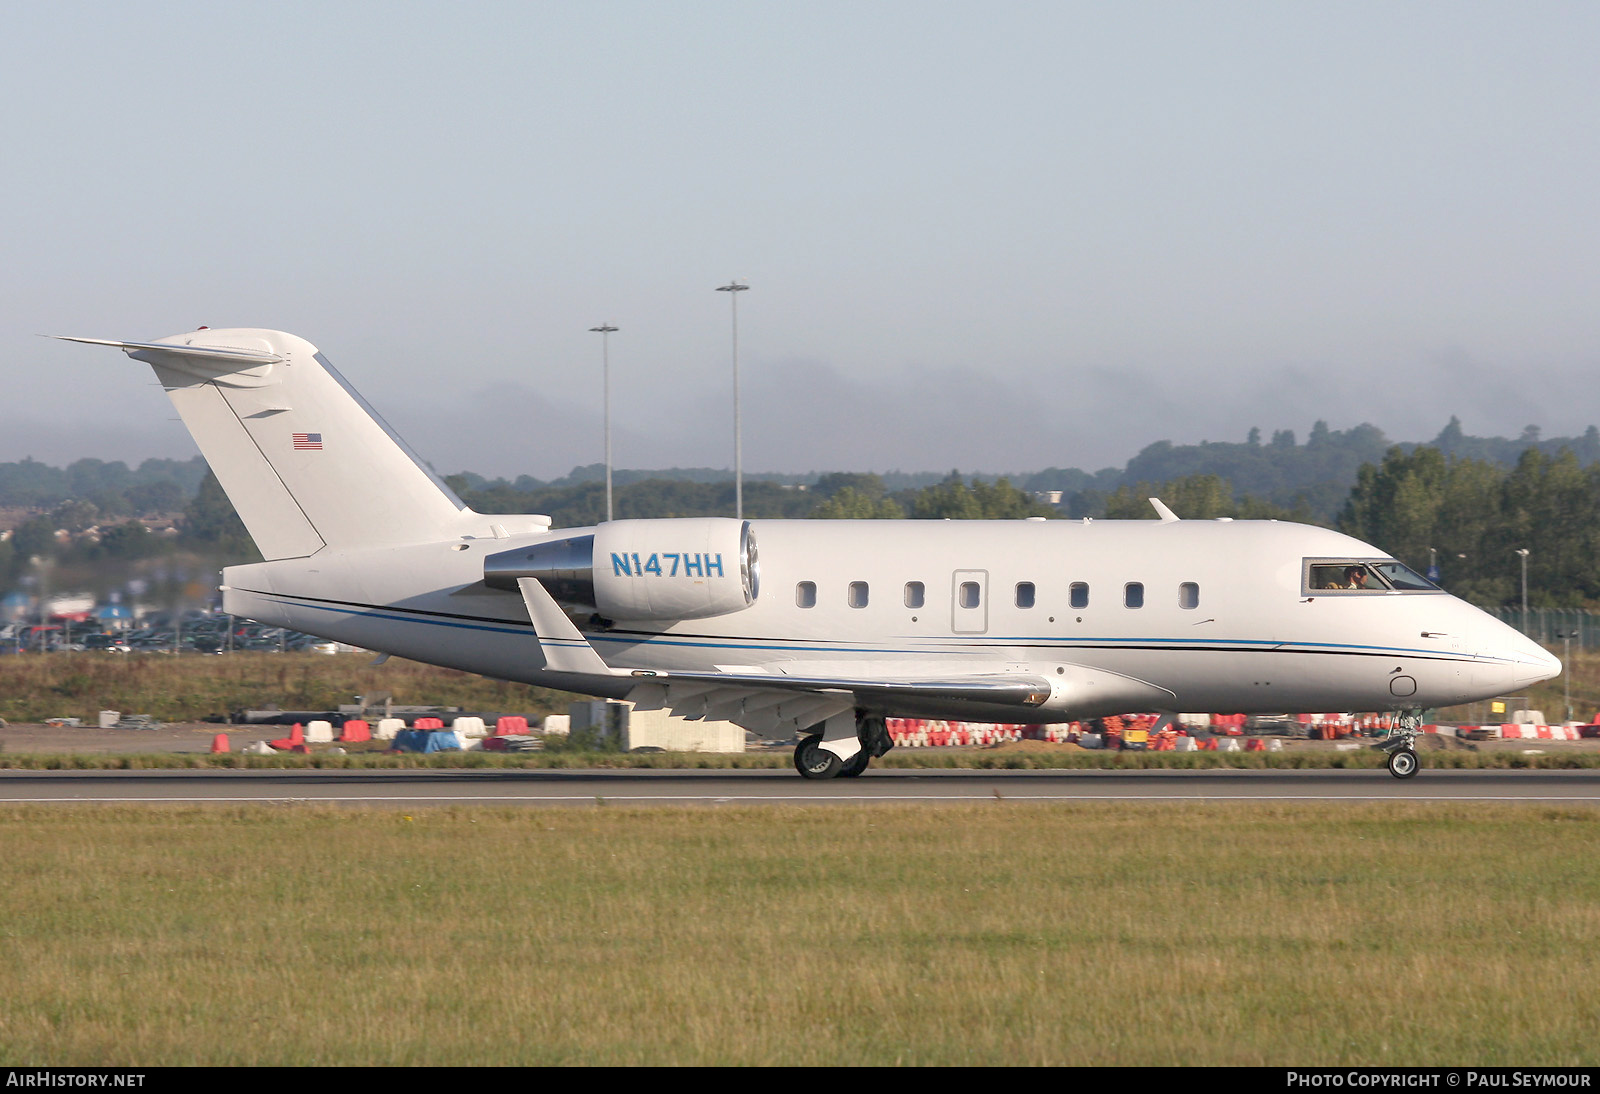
<point x="733" y="289"/>
<point x="604" y="331"/>
<point x="1523" y="551"/>
<point x="1566" y="674"/>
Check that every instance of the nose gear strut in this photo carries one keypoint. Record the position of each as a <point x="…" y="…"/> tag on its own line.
<point x="1401" y="745"/>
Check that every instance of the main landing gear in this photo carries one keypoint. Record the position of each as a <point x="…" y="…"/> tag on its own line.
<point x="814" y="759"/>
<point x="1401" y="745"/>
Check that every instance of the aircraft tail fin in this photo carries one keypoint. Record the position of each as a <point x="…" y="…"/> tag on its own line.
<point x="305" y="461"/>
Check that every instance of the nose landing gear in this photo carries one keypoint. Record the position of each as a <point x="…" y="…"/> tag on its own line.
<point x="1401" y="745"/>
<point x="1403" y="763"/>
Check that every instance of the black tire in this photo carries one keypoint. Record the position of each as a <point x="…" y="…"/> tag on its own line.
<point x="855" y="765"/>
<point x="813" y="761"/>
<point x="1403" y="763"/>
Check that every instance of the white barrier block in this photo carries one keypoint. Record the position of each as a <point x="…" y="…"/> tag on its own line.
<point x="1274" y="745"/>
<point x="1184" y="744"/>
<point x="468" y="727"/>
<point x="319" y="732"/>
<point x="556" y="725"/>
<point x="1229" y="744"/>
<point x="387" y="728"/>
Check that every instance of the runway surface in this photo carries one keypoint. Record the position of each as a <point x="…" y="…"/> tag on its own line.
<point x="414" y="789"/>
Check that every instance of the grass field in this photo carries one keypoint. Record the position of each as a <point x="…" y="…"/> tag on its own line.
<point x="995" y="934"/>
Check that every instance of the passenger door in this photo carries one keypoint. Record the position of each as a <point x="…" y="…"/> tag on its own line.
<point x="969" y="601"/>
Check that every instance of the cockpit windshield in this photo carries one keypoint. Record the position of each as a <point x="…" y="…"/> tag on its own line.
<point x="1363" y="575"/>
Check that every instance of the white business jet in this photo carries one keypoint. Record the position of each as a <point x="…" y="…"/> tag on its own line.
<point x="833" y="625"/>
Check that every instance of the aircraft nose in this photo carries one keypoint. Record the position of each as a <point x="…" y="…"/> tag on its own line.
<point x="1541" y="665"/>
<point x="1523" y="662"/>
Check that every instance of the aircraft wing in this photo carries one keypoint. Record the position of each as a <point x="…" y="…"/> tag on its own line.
<point x="775" y="702"/>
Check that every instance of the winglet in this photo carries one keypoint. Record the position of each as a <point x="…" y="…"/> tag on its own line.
<point x="1167" y="515"/>
<point x="564" y="648"/>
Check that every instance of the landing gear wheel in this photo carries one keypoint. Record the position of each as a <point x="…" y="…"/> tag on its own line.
<point x="815" y="762"/>
<point x="855" y="765"/>
<point x="1403" y="763"/>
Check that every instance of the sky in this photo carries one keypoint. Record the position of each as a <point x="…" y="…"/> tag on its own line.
<point x="994" y="236"/>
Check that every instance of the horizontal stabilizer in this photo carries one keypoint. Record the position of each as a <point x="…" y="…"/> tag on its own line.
<point x="244" y="357"/>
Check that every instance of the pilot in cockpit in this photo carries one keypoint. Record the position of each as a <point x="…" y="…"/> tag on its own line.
<point x="1347" y="579"/>
<point x="1355" y="577"/>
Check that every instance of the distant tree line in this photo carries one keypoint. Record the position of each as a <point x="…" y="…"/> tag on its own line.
<point x="115" y="490"/>
<point x="208" y="535"/>
<point x="837" y="495"/>
<point x="1315" y="477"/>
<point x="1473" y="515"/>
<point x="1464" y="503"/>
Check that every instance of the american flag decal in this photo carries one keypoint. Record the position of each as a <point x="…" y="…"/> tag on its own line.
<point x="308" y="441"/>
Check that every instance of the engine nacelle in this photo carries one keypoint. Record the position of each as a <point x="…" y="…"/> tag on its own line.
<point x="680" y="568"/>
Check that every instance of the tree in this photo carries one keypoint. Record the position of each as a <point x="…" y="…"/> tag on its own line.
<point x="211" y="520"/>
<point x="1196" y="497"/>
<point x="1193" y="497"/>
<point x="129" y="540"/>
<point x="850" y="504"/>
<point x="955" y="500"/>
<point x="155" y="498"/>
<point x="869" y="486"/>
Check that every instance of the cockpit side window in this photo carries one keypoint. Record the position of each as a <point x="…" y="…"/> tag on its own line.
<point x="1403" y="578"/>
<point x="1362" y="575"/>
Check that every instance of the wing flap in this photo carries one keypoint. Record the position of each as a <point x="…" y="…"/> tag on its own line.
<point x="774" y="704"/>
<point x="1006" y="689"/>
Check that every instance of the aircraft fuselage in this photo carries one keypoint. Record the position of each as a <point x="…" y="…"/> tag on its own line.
<point x="1120" y="615"/>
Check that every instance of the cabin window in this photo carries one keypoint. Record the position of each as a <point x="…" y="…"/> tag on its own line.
<point x="858" y="594"/>
<point x="967" y="594"/>
<point x="1133" y="594"/>
<point x="915" y="594"/>
<point x="805" y="594"/>
<point x="1189" y="595"/>
<point x="1024" y="594"/>
<point x="1080" y="594"/>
